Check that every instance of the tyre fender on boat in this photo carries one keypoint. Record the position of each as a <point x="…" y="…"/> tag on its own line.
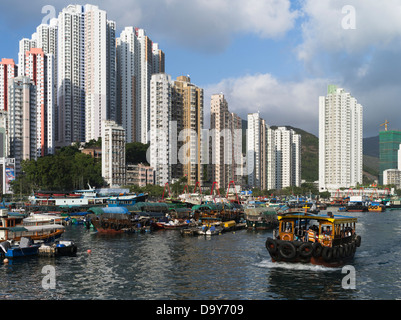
<point x="317" y="250"/>
<point x="336" y="252"/>
<point x="347" y="249"/>
<point x="358" y="241"/>
<point x="306" y="249"/>
<point x="327" y="253"/>
<point x="341" y="251"/>
<point x="271" y="245"/>
<point x="287" y="250"/>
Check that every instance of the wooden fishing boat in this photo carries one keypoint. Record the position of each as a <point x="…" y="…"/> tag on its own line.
<point x="119" y="220"/>
<point x="328" y="240"/>
<point x="261" y="218"/>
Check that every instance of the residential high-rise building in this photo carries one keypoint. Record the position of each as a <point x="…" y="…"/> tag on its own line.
<point x="113" y="154"/>
<point x="71" y="75"/>
<point x="187" y="111"/>
<point x="340" y="140"/>
<point x="100" y="79"/>
<point x="273" y="155"/>
<point x="255" y="148"/>
<point x="226" y="146"/>
<point x="25" y="44"/>
<point x="160" y="156"/>
<point x="22" y="120"/>
<point x="40" y="69"/>
<point x="86" y="73"/>
<point x="127" y="80"/>
<point x="8" y="70"/>
<point x="287" y="147"/>
<point x="137" y="59"/>
<point x="389" y="145"/>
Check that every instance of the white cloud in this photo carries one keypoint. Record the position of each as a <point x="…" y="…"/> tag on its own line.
<point x="200" y="25"/>
<point x="377" y="24"/>
<point x="279" y="103"/>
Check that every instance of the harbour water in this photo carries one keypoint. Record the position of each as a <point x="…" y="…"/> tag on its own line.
<point x="235" y="265"/>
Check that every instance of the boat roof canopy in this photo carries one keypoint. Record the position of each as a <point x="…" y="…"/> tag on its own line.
<point x="336" y="219"/>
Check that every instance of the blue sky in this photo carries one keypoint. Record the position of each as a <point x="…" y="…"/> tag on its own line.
<point x="272" y="56"/>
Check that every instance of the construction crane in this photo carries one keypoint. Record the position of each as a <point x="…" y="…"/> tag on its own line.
<point x="385" y="125"/>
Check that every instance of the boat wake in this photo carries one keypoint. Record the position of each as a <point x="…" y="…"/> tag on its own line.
<point x="267" y="263"/>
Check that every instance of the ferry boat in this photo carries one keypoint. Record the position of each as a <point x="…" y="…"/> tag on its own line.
<point x="323" y="239"/>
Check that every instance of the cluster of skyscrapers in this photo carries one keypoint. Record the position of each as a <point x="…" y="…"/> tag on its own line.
<point x="76" y="80"/>
<point x="72" y="75"/>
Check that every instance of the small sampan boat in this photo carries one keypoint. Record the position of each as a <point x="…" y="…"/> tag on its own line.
<point x="328" y="240"/>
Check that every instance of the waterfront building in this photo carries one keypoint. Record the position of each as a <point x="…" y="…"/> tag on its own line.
<point x="187" y="111"/>
<point x="22" y="120"/>
<point x="226" y="146"/>
<point x="137" y="59"/>
<point x="160" y="119"/>
<point x="8" y="70"/>
<point x="392" y="177"/>
<point x="389" y="146"/>
<point x="140" y="175"/>
<point x="113" y="154"/>
<point x="40" y="69"/>
<point x="340" y="140"/>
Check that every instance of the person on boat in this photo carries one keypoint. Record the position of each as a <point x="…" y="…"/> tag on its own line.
<point x="328" y="231"/>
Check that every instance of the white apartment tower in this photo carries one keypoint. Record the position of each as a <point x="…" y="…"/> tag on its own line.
<point x="287" y="148"/>
<point x="340" y="140"/>
<point x="254" y="149"/>
<point x="86" y="72"/>
<point x="100" y="79"/>
<point x="226" y="148"/>
<point x="137" y="59"/>
<point x="127" y="80"/>
<point x="273" y="156"/>
<point x="71" y="75"/>
<point x="160" y="137"/>
<point x="113" y="154"/>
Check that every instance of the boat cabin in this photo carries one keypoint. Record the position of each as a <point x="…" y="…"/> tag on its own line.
<point x="327" y="229"/>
